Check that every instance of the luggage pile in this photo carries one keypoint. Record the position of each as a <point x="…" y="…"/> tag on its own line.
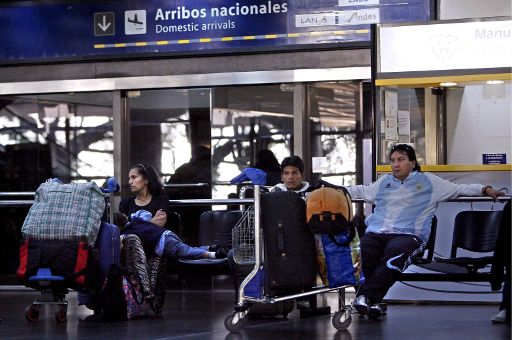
<point x="65" y="244"/>
<point x="329" y="216"/>
<point x="299" y="241"/>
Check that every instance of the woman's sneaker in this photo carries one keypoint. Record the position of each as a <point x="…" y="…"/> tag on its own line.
<point x="361" y="304"/>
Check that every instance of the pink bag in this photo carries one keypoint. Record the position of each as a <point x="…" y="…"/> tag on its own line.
<point x="136" y="305"/>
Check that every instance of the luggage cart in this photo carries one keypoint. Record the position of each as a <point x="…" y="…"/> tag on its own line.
<point x="52" y="287"/>
<point x="248" y="248"/>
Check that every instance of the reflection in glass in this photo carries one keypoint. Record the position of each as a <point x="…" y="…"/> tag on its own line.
<point x="333" y="108"/>
<point x="408" y="121"/>
<point x="68" y="136"/>
<point x="170" y="129"/>
<point x="246" y="120"/>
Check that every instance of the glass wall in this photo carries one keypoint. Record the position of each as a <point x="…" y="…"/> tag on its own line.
<point x="68" y="136"/>
<point x="190" y="136"/>
<point x="402" y="116"/>
<point x="479" y="115"/>
<point x="245" y="121"/>
<point x="334" y="113"/>
<point x="440" y="122"/>
<point x="170" y="129"/>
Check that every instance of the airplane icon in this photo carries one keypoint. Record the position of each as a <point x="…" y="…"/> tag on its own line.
<point x="135" y="20"/>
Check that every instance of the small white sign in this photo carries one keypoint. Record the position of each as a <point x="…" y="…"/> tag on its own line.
<point x="135" y="22"/>
<point x="391" y="129"/>
<point x="315" y="19"/>
<point x="390" y="104"/>
<point x="319" y="164"/>
<point x="359" y="17"/>
<point x="345" y="3"/>
<point x="404" y="123"/>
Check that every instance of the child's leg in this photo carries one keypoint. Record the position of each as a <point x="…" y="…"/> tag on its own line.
<point x="176" y="248"/>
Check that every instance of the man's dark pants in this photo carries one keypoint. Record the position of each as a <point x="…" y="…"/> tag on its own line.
<point x="384" y="257"/>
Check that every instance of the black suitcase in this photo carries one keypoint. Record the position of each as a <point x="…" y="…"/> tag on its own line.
<point x="290" y="257"/>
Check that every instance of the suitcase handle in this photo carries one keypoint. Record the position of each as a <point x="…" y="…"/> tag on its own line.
<point x="280" y="242"/>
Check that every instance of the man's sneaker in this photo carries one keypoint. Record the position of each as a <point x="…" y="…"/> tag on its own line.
<point x="500" y="317"/>
<point x="361" y="304"/>
<point x="375" y="311"/>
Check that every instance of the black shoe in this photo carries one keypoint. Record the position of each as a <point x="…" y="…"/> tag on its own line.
<point x="213" y="247"/>
<point x="221" y="253"/>
<point x="361" y="304"/>
<point x="375" y="311"/>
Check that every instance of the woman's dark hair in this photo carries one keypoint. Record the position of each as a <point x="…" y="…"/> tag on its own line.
<point x="149" y="173"/>
<point x="267" y="161"/>
<point x="295" y="161"/>
<point x="407" y="150"/>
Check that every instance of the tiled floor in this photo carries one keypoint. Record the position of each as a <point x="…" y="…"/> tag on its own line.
<point x="200" y="314"/>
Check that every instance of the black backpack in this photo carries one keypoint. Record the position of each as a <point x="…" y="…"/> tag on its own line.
<point x="121" y="297"/>
<point x="113" y="301"/>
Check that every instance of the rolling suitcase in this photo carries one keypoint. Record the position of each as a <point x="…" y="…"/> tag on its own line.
<point x="107" y="247"/>
<point x="290" y="258"/>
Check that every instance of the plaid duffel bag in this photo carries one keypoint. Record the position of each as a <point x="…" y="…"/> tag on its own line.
<point x="63" y="211"/>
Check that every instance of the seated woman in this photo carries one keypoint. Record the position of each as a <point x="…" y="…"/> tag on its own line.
<point x="148" y="215"/>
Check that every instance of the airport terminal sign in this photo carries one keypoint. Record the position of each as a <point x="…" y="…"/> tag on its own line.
<point x="67" y="30"/>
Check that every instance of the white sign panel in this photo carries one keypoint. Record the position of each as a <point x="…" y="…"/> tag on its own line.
<point x="450" y="46"/>
<point x="345" y="3"/>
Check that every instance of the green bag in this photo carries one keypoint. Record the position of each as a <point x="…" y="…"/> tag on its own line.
<point x="65" y="211"/>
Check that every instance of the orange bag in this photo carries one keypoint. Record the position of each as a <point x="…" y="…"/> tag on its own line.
<point x="329" y="211"/>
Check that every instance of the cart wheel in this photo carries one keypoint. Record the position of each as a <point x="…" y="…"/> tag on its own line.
<point x="234" y="322"/>
<point x="341" y="320"/>
<point x="61" y="314"/>
<point x="32" y="313"/>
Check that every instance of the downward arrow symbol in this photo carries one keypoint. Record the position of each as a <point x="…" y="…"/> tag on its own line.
<point x="105" y="24"/>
